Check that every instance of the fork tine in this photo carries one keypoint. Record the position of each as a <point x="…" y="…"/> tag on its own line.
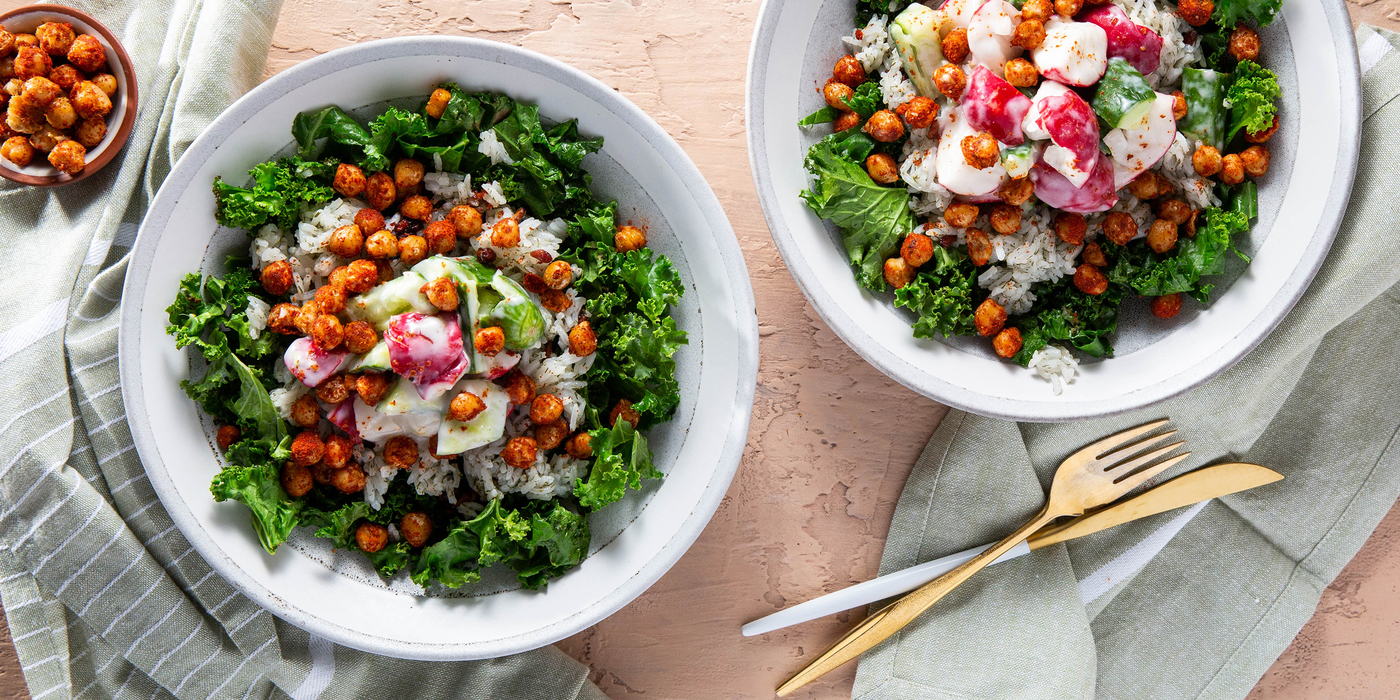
<point x="1118" y="439"/>
<point x="1115" y="458"/>
<point x="1132" y="481"/>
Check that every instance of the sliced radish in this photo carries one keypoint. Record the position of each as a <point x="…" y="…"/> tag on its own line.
<point x="309" y="363"/>
<point x="1136" y="150"/>
<point x="989" y="35"/>
<point x="372" y="425"/>
<point x="1073" y="53"/>
<point x="991" y="104"/>
<point x="1135" y="43"/>
<point x="1097" y="194"/>
<point x="343" y="417"/>
<point x="961" y="11"/>
<point x="496" y="367"/>
<point x="427" y="350"/>
<point x="1074" y="129"/>
<point x="953" y="170"/>
<point x="1030" y="125"/>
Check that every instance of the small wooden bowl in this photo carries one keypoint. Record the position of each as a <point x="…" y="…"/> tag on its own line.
<point x="39" y="173"/>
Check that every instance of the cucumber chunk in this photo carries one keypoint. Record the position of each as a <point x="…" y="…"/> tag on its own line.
<point x="455" y="437"/>
<point x="397" y="296"/>
<point x="517" y="314"/>
<point x="377" y="359"/>
<point x="918" y="34"/>
<point x="403" y="398"/>
<point x="1124" y="99"/>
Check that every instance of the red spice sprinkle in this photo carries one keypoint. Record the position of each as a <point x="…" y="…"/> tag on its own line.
<point x="533" y="283"/>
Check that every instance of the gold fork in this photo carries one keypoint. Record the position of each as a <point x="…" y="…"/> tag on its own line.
<point x="1094" y="476"/>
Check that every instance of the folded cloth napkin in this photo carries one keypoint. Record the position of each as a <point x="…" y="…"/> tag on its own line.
<point x="103" y="595"/>
<point x="1194" y="603"/>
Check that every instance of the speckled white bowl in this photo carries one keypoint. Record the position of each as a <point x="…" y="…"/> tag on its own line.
<point x="635" y="541"/>
<point x="1302" y="200"/>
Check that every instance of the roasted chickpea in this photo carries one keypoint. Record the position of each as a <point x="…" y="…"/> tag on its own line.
<point x="1090" y="280"/>
<point x="331" y="299"/>
<point x="360" y="337"/>
<point x="381" y="244"/>
<point x="847" y="121"/>
<point x="955" y="47"/>
<point x="849" y="71"/>
<point x="227" y="435"/>
<point x="556" y="301"/>
<point x="1029" y="34"/>
<point x="370" y="222"/>
<point x="441" y="237"/>
<point x="979" y="247"/>
<point x="87" y="54"/>
<point x="401" y="452"/>
<point x="361" y="276"/>
<point x="349" y="180"/>
<point x="307" y="448"/>
<point x="334" y="389"/>
<point x="961" y="214"/>
<point x="1007" y="343"/>
<point x="1017" y="192"/>
<point x="1264" y="135"/>
<point x="23" y="40"/>
<point x="1119" y="227"/>
<point x="1005" y="219"/>
<point x="1069" y="8"/>
<point x="32" y="62"/>
<point x="1071" y="228"/>
<point x="442" y="293"/>
<point x="506" y="233"/>
<point x="920" y="112"/>
<point x="7" y="43"/>
<point x="17" y="150"/>
<point x="582" y="340"/>
<point x="60" y="114"/>
<point x="327" y="332"/>
<point x="629" y="238"/>
<point x="14" y="87"/>
<point x="546" y="408"/>
<point x="42" y="90"/>
<point x="898" y="273"/>
<point x="466" y="221"/>
<point x="989" y="318"/>
<point x="24" y="115"/>
<point x="882" y="168"/>
<point x="980" y="150"/>
<point x="1093" y="254"/>
<point x="1144" y="186"/>
<point x="1232" y="169"/>
<point x="884" y="126"/>
<point x="282" y="318"/>
<point x="277" y="278"/>
<point x="1162" y="236"/>
<point x="380" y="192"/>
<point x="371" y="386"/>
<point x="408" y="174"/>
<point x="917" y="249"/>
<point x="106" y="82"/>
<point x="558" y="275"/>
<point x="416" y="207"/>
<point x="1206" y="160"/>
<point x="1195" y="12"/>
<point x="1022" y="73"/>
<point x="1191" y="223"/>
<point x="533" y="283"/>
<point x="89" y="132"/>
<point x="836" y="94"/>
<point x="623" y="409"/>
<point x="305" y="413"/>
<point x="1256" y="160"/>
<point x="1166" y="306"/>
<point x="296" y="480"/>
<point x="348" y="479"/>
<point x="580" y="446"/>
<point x="1179" y="108"/>
<point x="47" y="138"/>
<point x="465" y="406"/>
<point x="1037" y="9"/>
<point x="386" y="271"/>
<point x="551" y="435"/>
<point x="412" y="250"/>
<point x="371" y="538"/>
<point x="1244" y="43"/>
<point x="490" y="341"/>
<point x="337" y="451"/>
<point x="346" y="241"/>
<point x="416" y="527"/>
<point x="520" y="389"/>
<point x="306" y="317"/>
<point x="55" y="38"/>
<point x="1174" y="210"/>
<point x="437" y="103"/>
<point x="520" y="452"/>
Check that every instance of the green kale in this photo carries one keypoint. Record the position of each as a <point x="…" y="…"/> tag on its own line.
<point x="620" y="459"/>
<point x="1229" y="13"/>
<point x="342" y="135"/>
<point x="277" y="195"/>
<point x="941" y="298"/>
<point x="1180" y="272"/>
<point x="872" y="218"/>
<point x="1068" y="315"/>
<point x="451" y="560"/>
<point x="538" y="540"/>
<point x="1251" y="98"/>
<point x="867" y="100"/>
<point x="253" y="479"/>
<point x="825" y="115"/>
<point x="391" y="559"/>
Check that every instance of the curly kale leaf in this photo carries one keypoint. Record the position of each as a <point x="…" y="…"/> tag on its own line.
<point x="867" y="100"/>
<point x="253" y="479"/>
<point x="278" y="193"/>
<point x="538" y="540"/>
<point x="1070" y="316"/>
<point x="621" y="459"/>
<point x="942" y="298"/>
<point x="1180" y="272"/>
<point x="341" y="134"/>
<point x="1228" y="13"/>
<point x="1251" y="97"/>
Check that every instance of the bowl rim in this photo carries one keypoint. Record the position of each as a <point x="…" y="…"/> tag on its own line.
<point x="734" y="435"/>
<point x="914" y="378"/>
<point x="128" y="115"/>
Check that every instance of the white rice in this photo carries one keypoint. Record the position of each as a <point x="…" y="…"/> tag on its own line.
<point x="1176" y="53"/>
<point x="873" y="45"/>
<point x="1032" y="255"/>
<point x="492" y="148"/>
<point x="894" y="86"/>
<point x="284" y="396"/>
<point x="1176" y="166"/>
<point x="1055" y="365"/>
<point x="256" y="314"/>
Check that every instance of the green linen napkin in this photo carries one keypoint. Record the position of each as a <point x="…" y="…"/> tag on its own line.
<point x="1198" y="602"/>
<point x="103" y="595"/>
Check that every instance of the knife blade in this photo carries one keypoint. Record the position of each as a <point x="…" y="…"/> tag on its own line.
<point x="1190" y="488"/>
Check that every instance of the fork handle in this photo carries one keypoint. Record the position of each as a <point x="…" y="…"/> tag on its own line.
<point x="892" y="618"/>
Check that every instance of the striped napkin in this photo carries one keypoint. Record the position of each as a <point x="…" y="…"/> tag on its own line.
<point x="1199" y="602"/>
<point x="103" y="595"/>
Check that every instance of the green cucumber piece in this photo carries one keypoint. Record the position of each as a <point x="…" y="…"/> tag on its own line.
<point x="456" y="437"/>
<point x="1206" y="116"/>
<point x="517" y="314"/>
<point x="460" y="270"/>
<point x="918" y="35"/>
<point x="1018" y="159"/>
<point x="1124" y="99"/>
<point x="377" y="359"/>
<point x="403" y="398"/>
<point x="397" y="296"/>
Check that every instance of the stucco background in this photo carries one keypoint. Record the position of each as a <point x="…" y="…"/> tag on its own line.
<point x="832" y="439"/>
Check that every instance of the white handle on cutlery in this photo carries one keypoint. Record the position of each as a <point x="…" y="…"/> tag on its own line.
<point x="875" y="589"/>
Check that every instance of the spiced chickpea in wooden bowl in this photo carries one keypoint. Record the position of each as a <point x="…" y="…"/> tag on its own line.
<point x="68" y="91"/>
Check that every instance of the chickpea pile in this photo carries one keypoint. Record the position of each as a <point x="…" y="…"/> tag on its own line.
<point x="57" y="95"/>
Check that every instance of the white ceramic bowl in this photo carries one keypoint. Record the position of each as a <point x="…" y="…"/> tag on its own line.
<point x="1302" y="200"/>
<point x="634" y="541"/>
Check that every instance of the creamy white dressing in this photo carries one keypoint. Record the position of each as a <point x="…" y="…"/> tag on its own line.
<point x="1074" y="53"/>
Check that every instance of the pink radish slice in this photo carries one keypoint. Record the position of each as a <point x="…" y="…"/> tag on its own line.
<point x="952" y="169"/>
<point x="496" y="367"/>
<point x="1136" y="44"/>
<point x="1097" y="194"/>
<point x="989" y="35"/>
<point x="1074" y="129"/>
<point x="991" y="104"/>
<point x="343" y="417"/>
<point x="1136" y="150"/>
<point x="427" y="350"/>
<point x="309" y="363"/>
<point x="1030" y="126"/>
<point x="1073" y="53"/>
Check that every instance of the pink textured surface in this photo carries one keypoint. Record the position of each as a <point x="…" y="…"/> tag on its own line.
<point x="827" y="456"/>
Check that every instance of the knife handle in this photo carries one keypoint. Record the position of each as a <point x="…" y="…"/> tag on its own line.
<point x="876" y="589"/>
